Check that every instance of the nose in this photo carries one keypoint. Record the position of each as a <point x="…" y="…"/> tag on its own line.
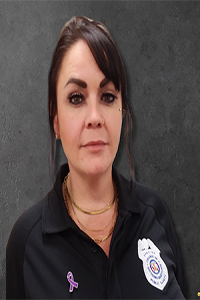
<point x="93" y="116"/>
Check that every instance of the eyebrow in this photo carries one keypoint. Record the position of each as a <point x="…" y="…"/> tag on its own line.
<point x="83" y="84"/>
<point x="104" y="82"/>
<point x="79" y="82"/>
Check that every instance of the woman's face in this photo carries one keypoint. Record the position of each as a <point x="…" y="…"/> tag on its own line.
<point x="84" y="99"/>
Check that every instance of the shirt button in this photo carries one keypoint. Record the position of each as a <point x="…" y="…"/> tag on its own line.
<point x="94" y="249"/>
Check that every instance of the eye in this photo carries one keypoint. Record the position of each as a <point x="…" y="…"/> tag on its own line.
<point x="108" y="97"/>
<point x="75" y="98"/>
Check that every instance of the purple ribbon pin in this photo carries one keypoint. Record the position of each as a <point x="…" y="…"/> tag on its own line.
<point x="73" y="284"/>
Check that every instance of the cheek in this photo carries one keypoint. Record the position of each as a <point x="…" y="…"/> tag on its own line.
<point x="115" y="131"/>
<point x="69" y="130"/>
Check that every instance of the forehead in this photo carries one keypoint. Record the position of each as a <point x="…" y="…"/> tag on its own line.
<point x="78" y="59"/>
<point x="79" y="55"/>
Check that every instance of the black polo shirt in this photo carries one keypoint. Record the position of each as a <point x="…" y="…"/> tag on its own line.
<point x="49" y="257"/>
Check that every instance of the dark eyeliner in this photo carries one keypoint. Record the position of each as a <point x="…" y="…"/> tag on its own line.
<point x="110" y="97"/>
<point x="75" y="98"/>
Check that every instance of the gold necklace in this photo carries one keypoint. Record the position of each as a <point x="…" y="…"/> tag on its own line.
<point x="104" y="238"/>
<point x="94" y="212"/>
<point x="98" y="241"/>
<point x="94" y="230"/>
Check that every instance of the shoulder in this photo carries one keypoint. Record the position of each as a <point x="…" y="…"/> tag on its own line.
<point x="149" y="200"/>
<point x="15" y="250"/>
<point x="141" y="196"/>
<point x="148" y="197"/>
<point x="146" y="201"/>
<point x="24" y="225"/>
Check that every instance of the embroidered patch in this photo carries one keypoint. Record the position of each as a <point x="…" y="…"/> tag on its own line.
<point x="73" y="283"/>
<point x="154" y="267"/>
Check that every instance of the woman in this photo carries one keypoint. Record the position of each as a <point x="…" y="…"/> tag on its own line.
<point x="95" y="235"/>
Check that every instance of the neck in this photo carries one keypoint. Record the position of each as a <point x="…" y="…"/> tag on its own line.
<point x="91" y="192"/>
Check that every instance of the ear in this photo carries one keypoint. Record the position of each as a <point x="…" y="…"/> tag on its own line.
<point x="56" y="126"/>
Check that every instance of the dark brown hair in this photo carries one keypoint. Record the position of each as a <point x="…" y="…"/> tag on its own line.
<point x="107" y="57"/>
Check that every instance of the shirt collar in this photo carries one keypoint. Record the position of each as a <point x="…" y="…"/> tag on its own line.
<point x="55" y="217"/>
<point x="126" y="193"/>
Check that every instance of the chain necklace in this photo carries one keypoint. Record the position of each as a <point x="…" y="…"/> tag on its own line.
<point x="94" y="212"/>
<point x="100" y="240"/>
<point x="94" y="230"/>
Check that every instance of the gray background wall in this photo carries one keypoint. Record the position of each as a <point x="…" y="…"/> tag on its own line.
<point x="160" y="45"/>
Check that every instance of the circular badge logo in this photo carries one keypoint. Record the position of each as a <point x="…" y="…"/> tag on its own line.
<point x="154" y="267"/>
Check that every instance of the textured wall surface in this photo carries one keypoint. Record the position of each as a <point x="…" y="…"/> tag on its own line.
<point x="160" y="45"/>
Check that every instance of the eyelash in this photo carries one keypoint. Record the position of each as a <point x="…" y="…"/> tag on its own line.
<point x="73" y="98"/>
<point x="109" y="95"/>
<point x="108" y="98"/>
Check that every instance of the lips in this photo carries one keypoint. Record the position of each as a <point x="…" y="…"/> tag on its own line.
<point x="95" y="145"/>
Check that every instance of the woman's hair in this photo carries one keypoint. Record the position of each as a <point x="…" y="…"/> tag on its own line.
<point x="108" y="59"/>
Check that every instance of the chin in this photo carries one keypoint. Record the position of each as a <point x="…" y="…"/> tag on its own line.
<point x="92" y="166"/>
<point x="99" y="168"/>
<point x="96" y="170"/>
